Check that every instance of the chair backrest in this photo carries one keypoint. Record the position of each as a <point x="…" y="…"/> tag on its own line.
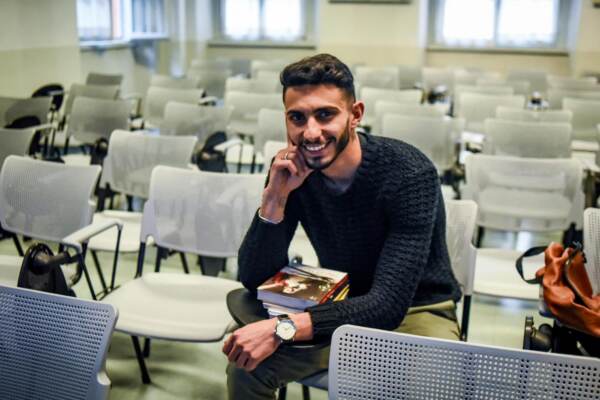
<point x="92" y="119"/>
<point x="461" y="218"/>
<point x="377" y="77"/>
<point x="556" y="96"/>
<point x="409" y="76"/>
<point x="158" y="97"/>
<point x="434" y="77"/>
<point x="591" y="242"/>
<point x="271" y="126"/>
<point x="267" y="65"/>
<point x="200" y="212"/>
<point x="519" y="114"/>
<point x="551" y="185"/>
<point x="383" y="107"/>
<point x="368" y="363"/>
<point x="586" y="116"/>
<point x="570" y="83"/>
<point x="246" y="106"/>
<point x="96" y="91"/>
<point x="254" y="85"/>
<point x="211" y="80"/>
<point x="53" y="347"/>
<point x="183" y="119"/>
<point x="212" y="63"/>
<point x="430" y="135"/>
<point x="14" y="142"/>
<point x="527" y="139"/>
<point x="370" y="96"/>
<point x="486" y="90"/>
<point x="476" y="108"/>
<point x="45" y="200"/>
<point x="519" y="87"/>
<point x="270" y="149"/>
<point x="132" y="156"/>
<point x="538" y="80"/>
<point x="96" y="78"/>
<point x="169" y="82"/>
<point x="13" y="109"/>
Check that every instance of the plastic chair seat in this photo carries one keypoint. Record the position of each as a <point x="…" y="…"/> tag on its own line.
<point x="243" y="127"/>
<point x="174" y="306"/>
<point x="130" y="235"/>
<point x="584" y="145"/>
<point x="524" y="203"/>
<point x="77" y="159"/>
<point x="496" y="275"/>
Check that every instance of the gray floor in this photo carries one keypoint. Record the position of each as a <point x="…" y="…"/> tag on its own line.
<point x="196" y="371"/>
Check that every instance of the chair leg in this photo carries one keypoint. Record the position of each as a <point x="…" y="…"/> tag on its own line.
<point x="86" y="273"/>
<point x="99" y="271"/>
<point x="129" y="203"/>
<point x="480" y="233"/>
<point x="184" y="263"/>
<point x="18" y="245"/>
<point x="282" y="393"/>
<point x="146" y="347"/>
<point x="159" y="256"/>
<point x="211" y="266"/>
<point x="140" y="359"/>
<point x="305" y="392"/>
<point x="464" y="324"/>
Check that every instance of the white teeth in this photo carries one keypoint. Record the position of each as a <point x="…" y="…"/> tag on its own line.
<point x="314" y="147"/>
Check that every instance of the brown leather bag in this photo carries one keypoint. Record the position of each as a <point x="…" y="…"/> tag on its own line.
<point x="566" y="287"/>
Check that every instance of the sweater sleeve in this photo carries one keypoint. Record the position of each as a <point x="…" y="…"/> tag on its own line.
<point x="411" y="209"/>
<point x="264" y="250"/>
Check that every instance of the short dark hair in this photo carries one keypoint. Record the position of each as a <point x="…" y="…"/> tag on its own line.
<point x="316" y="70"/>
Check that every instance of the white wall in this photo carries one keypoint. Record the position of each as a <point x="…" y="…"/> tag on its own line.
<point x="38" y="45"/>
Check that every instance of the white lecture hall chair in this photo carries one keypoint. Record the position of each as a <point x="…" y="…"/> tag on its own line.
<point x="273" y="65"/>
<point x="53" y="347"/>
<point x="368" y="364"/>
<point x="184" y="119"/>
<point x="97" y="78"/>
<point x="520" y="194"/>
<point x="570" y="83"/>
<point x="527" y="139"/>
<point x="52" y="202"/>
<point x="253" y="85"/>
<point x="371" y="95"/>
<point x="586" y="116"/>
<point x="158" y="97"/>
<point x="12" y="109"/>
<point x="556" y="96"/>
<point x="246" y="106"/>
<point x="15" y="142"/>
<point x="475" y="108"/>
<point x="435" y="77"/>
<point x="378" y="77"/>
<point x="410" y="76"/>
<point x="519" y="87"/>
<point x="519" y="114"/>
<point x="170" y="82"/>
<point x="591" y="241"/>
<point x="195" y="212"/>
<point x="128" y="166"/>
<point x="383" y="107"/>
<point x="211" y="63"/>
<point x="459" y="90"/>
<point x="212" y="80"/>
<point x="538" y="80"/>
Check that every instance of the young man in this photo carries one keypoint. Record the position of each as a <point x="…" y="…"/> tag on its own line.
<point x="371" y="206"/>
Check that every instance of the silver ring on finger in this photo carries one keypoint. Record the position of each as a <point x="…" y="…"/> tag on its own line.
<point x="285" y="156"/>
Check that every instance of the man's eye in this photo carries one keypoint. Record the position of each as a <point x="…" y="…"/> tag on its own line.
<point x="296" y="117"/>
<point x="324" y="114"/>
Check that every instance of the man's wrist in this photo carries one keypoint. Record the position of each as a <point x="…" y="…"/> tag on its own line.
<point x="272" y="208"/>
<point x="267" y="220"/>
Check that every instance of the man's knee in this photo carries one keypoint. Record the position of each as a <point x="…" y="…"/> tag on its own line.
<point x="244" y="384"/>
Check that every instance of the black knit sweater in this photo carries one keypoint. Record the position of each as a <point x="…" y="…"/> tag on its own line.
<point x="387" y="231"/>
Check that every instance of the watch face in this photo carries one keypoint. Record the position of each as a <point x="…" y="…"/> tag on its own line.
<point x="285" y="330"/>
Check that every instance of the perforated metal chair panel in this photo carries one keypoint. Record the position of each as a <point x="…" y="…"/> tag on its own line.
<point x="53" y="347"/>
<point x="371" y="364"/>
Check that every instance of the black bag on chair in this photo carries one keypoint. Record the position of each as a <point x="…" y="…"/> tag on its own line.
<point x="42" y="276"/>
<point x="208" y="159"/>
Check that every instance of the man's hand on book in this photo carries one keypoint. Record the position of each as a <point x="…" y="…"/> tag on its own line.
<point x="250" y="345"/>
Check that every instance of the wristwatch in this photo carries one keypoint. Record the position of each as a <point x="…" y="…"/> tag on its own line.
<point x="285" y="330"/>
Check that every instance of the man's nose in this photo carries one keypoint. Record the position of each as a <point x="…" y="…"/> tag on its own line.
<point x="313" y="130"/>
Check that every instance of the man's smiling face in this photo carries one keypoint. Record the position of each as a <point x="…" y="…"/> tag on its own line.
<point x="318" y="120"/>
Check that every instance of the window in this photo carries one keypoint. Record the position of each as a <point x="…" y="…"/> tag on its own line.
<point x="271" y="21"/>
<point x="532" y="24"/>
<point x="119" y="20"/>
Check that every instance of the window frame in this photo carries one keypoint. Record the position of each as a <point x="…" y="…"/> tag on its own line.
<point x="125" y="21"/>
<point x="559" y="46"/>
<point x="219" y="39"/>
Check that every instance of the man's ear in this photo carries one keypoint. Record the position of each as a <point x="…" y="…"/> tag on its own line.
<point x="358" y="110"/>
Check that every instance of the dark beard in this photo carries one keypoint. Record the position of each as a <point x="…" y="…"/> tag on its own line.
<point x="339" y="148"/>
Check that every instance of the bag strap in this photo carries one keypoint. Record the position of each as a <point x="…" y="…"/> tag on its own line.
<point x="534" y="251"/>
<point x="577" y="248"/>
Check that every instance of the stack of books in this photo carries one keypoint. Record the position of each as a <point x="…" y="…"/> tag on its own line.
<point x="297" y="287"/>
